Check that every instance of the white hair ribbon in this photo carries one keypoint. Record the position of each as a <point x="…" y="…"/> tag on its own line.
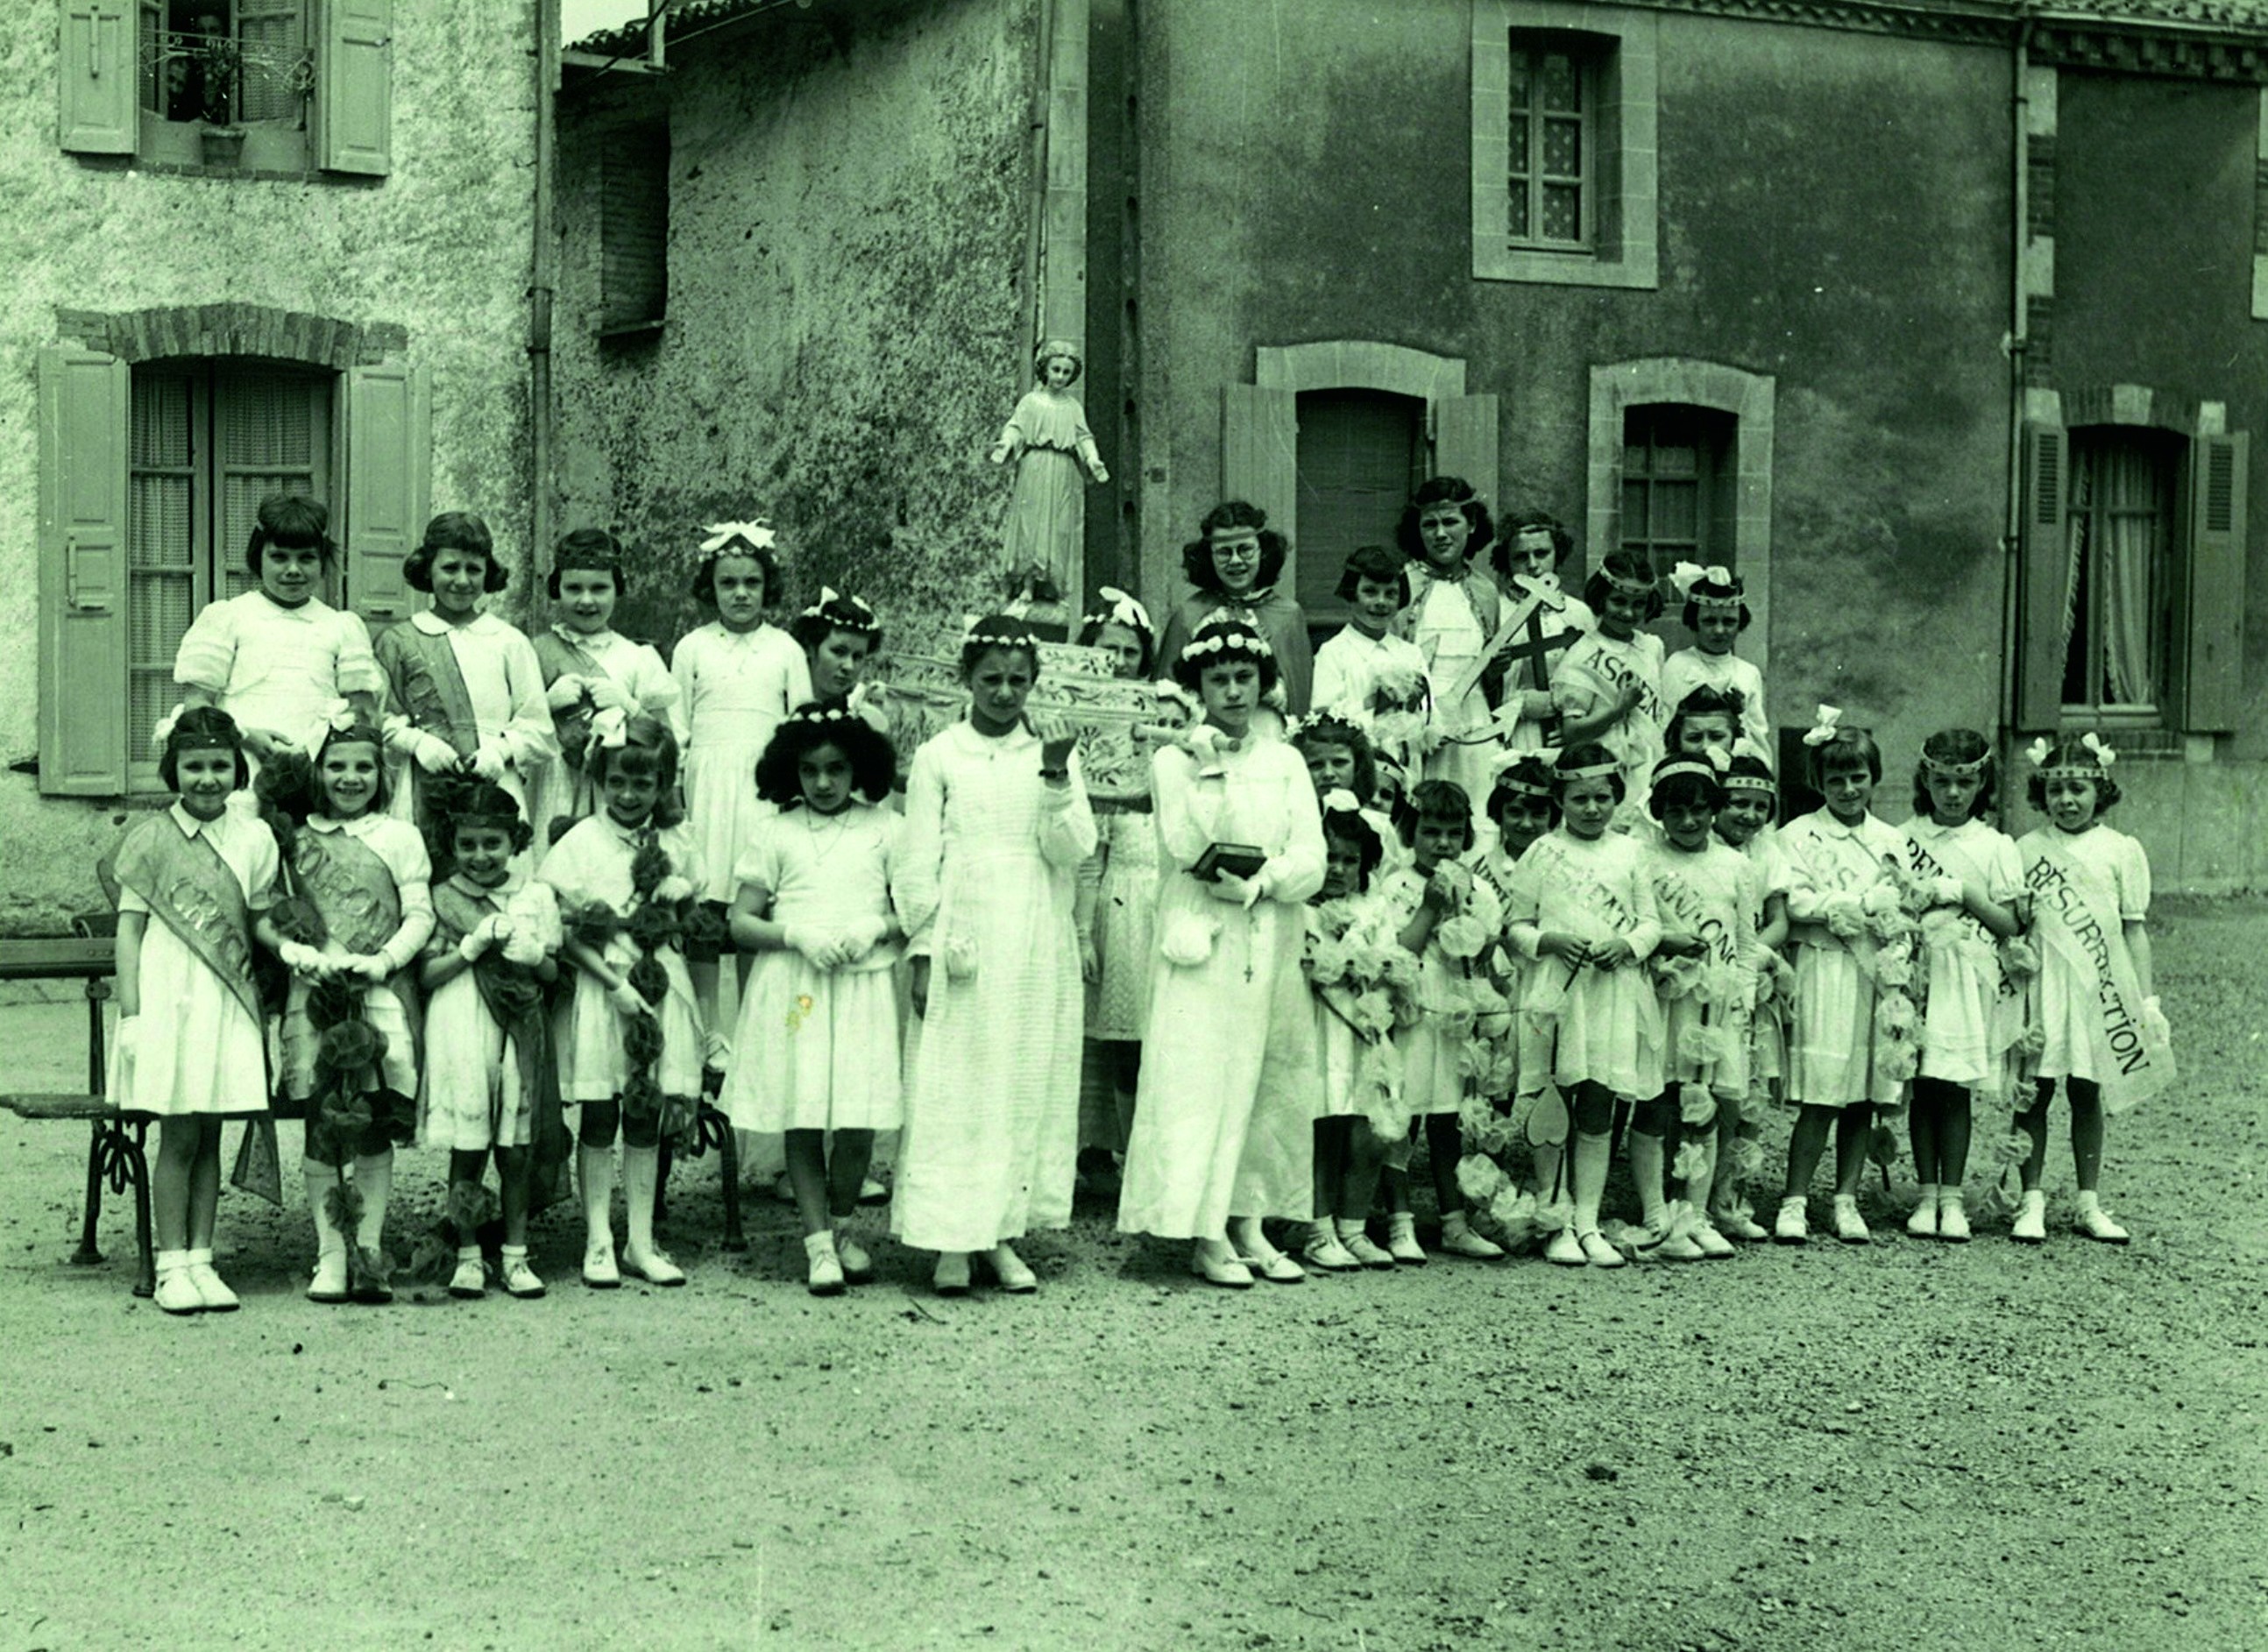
<point x="1826" y="728"/>
<point x="757" y="533"/>
<point x="2100" y="747"/>
<point x="164" y="730"/>
<point x="1686" y="575"/>
<point x="1339" y="800"/>
<point x="2037" y="753"/>
<point x="610" y="729"/>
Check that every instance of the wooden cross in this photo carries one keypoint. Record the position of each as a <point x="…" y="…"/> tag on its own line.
<point x="1537" y="649"/>
<point x="1538" y="594"/>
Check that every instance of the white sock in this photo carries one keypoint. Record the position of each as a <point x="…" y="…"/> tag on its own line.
<point x="1928" y="1198"/>
<point x="373" y="1174"/>
<point x="1646" y="1156"/>
<point x="1590" y="1178"/>
<point x="2089" y="1201"/>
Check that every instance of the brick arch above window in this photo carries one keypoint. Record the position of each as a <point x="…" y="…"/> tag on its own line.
<point x="1682" y="381"/>
<point x="2130" y="405"/>
<point x="134" y="337"/>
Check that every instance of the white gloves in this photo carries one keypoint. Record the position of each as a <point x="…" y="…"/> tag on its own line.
<point x="627" y="1001"/>
<point x="608" y="695"/>
<point x="566" y="693"/>
<point x="433" y="753"/>
<point x="1234" y="891"/>
<point x="490" y="762"/>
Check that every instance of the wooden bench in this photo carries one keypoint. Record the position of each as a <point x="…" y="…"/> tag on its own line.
<point x="117" y="1152"/>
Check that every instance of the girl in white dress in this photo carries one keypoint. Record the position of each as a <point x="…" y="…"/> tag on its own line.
<point x="629" y="1038"/>
<point x="589" y="667"/>
<point x="1973" y="881"/>
<point x="1716" y="612"/>
<point x="1118" y="887"/>
<point x="1523" y="803"/>
<point x="1454" y="609"/>
<point x="280" y="659"/>
<point x="997" y="823"/>
<point x="1607" y="686"/>
<point x="839" y="635"/>
<point x="1224" y="1124"/>
<point x="819" y="1017"/>
<point x="465" y="690"/>
<point x="1534" y="546"/>
<point x="739" y="676"/>
<point x="1365" y="673"/>
<point x="189" y="1046"/>
<point x="1844" y="872"/>
<point x="2105" y="1036"/>
<point x="1583" y="915"/>
<point x="489" y="1082"/>
<point x="1751" y="798"/>
<point x="368" y="879"/>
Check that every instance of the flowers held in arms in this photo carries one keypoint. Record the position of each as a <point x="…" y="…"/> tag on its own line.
<point x="1369" y="981"/>
<point x="663" y="913"/>
<point x="1889" y="918"/>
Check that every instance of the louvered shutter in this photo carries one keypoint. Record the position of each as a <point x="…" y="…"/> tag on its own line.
<point x="2214" y="665"/>
<point x="1465" y="443"/>
<point x="83" y="573"/>
<point x="98" y="77"/>
<point x="354" y="80"/>
<point x="1260" y="452"/>
<point x="2045" y="553"/>
<point x="389" y="441"/>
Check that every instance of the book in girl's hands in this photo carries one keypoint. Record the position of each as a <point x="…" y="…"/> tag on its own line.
<point x="1239" y="860"/>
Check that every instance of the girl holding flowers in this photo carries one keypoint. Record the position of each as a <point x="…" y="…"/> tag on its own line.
<point x="819" y="1019"/>
<point x="1583" y="914"/>
<point x="628" y="880"/>
<point x="1223" y="1125"/>
<point x="1751" y="798"/>
<point x="364" y="911"/>
<point x="1852" y="1046"/>
<point x="1971" y="882"/>
<point x="589" y="667"/>
<point x="189" y="1046"/>
<point x="490" y="1086"/>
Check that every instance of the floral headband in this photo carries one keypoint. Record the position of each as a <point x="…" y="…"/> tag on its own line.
<point x="1507" y="779"/>
<point x="1715" y="585"/>
<point x="975" y="638"/>
<point x="865" y="620"/>
<point x="1230" y="642"/>
<point x="821" y="716"/>
<point x="1119" y="609"/>
<point x="2079" y="769"/>
<point x="1736" y="780"/>
<point x="757" y="535"/>
<point x="194" y="739"/>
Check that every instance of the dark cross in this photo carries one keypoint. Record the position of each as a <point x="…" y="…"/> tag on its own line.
<point x="1536" y="649"/>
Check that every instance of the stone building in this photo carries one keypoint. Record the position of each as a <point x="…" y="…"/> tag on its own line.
<point x="1945" y="321"/>
<point x="252" y="246"/>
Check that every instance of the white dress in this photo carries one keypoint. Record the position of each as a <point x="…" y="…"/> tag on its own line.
<point x="984" y="889"/>
<point x="1432" y="1080"/>
<point x="194" y="1048"/>
<point x="591" y="863"/>
<point x="2113" y="875"/>
<point x="1967" y="1021"/>
<point x="1224" y="1116"/>
<point x="817" y="1049"/>
<point x="399" y="845"/>
<point x="1768" y="1029"/>
<point x="1449" y="637"/>
<point x="1831" y="1042"/>
<point x="1691" y="669"/>
<point x="1124" y="925"/>
<point x="1604" y="1026"/>
<point x="473" y="1098"/>
<point x="1591" y="677"/>
<point x="1710" y="895"/>
<point x="1378" y="684"/>
<point x="282" y="669"/>
<point x="738" y="686"/>
<point x="504" y="684"/>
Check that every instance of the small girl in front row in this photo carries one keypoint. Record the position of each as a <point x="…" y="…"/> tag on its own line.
<point x="1974" y="882"/>
<point x="1583" y="913"/>
<point x="2106" y="1039"/>
<point x="1751" y="798"/>
<point x="1425" y="896"/>
<point x="369" y="879"/>
<point x="490" y="1083"/>
<point x="629" y="1040"/>
<point x="1843" y="880"/>
<point x="189" y="1046"/>
<point x="819" y="1016"/>
<point x="1522" y="804"/>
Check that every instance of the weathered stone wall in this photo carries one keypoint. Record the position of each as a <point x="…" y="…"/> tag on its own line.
<point x="848" y="193"/>
<point x="439" y="249"/>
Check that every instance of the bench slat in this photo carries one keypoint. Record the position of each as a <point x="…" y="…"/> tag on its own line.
<point x="55" y="1104"/>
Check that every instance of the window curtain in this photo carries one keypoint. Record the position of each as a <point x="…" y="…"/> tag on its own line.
<point x="2119" y="510"/>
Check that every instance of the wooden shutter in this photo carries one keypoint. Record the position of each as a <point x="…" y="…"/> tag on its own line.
<point x="2215" y="662"/>
<point x="354" y="94"/>
<point x="100" y="112"/>
<point x="83" y="411"/>
<point x="389" y="439"/>
<point x="1260" y="452"/>
<point x="2045" y="551"/>
<point x="272" y="33"/>
<point x="1465" y="443"/>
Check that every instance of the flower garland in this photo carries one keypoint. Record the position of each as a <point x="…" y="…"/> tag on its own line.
<point x="1370" y="981"/>
<point x="663" y="913"/>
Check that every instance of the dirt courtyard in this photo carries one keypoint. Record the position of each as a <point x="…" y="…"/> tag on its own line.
<point x="1907" y="1445"/>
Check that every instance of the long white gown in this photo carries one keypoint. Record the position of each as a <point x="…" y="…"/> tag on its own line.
<point x="984" y="887"/>
<point x="1224" y="1117"/>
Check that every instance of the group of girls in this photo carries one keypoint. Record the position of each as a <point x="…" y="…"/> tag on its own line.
<point x="500" y="877"/>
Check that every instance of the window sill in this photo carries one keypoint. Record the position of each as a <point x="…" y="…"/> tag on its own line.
<point x="1493" y="261"/>
<point x="630" y="332"/>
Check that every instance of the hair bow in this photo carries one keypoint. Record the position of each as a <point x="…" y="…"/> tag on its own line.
<point x="1339" y="800"/>
<point x="339" y="717"/>
<point x="758" y="533"/>
<point x="2037" y="753"/>
<point x="164" y="730"/>
<point x="1122" y="609"/>
<point x="1826" y="728"/>
<point x="827" y="593"/>
<point x="1512" y="757"/>
<point x="610" y="729"/>
<point x="2100" y="747"/>
<point x="1686" y="575"/>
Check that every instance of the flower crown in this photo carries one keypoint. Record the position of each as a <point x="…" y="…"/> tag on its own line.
<point x="975" y="638"/>
<point x="2095" y="766"/>
<point x="1119" y="609"/>
<point x="1715" y="585"/>
<point x="1229" y="642"/>
<point x="1629" y="584"/>
<point x="863" y="617"/>
<point x="756" y="535"/>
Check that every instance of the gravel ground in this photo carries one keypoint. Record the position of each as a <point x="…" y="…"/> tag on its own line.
<point x="1910" y="1445"/>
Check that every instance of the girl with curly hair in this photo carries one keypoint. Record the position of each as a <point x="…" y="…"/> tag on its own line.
<point x="1236" y="563"/>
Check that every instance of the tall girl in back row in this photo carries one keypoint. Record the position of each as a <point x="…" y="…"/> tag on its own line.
<point x="997" y="823"/>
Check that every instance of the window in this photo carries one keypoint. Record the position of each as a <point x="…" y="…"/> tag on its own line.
<point x="634" y="229"/>
<point x="206" y="442"/>
<point x="2118" y="625"/>
<point x="1675" y="505"/>
<point x="1551" y="189"/>
<point x="259" y="85"/>
<point x="1360" y="454"/>
<point x="1563" y="143"/>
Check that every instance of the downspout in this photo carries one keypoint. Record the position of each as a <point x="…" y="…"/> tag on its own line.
<point x="2020" y="112"/>
<point x="541" y="282"/>
<point x="1036" y="204"/>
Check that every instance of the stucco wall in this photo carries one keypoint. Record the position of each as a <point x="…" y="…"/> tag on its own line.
<point x="1834" y="213"/>
<point x="847" y="220"/>
<point x="441" y="247"/>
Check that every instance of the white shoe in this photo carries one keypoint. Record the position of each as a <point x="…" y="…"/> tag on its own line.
<point x="2031" y="1223"/>
<point x="1013" y="1273"/>
<point x="1565" y="1249"/>
<point x="1401" y="1244"/>
<point x="1952" y="1219"/>
<point x="520" y="1280"/>
<point x="1596" y="1251"/>
<point x="2096" y="1224"/>
<point x="872" y="1192"/>
<point x="1220" y="1268"/>
<point x="1364" y="1250"/>
<point x="599" y="1269"/>
<point x="1925" y="1223"/>
<point x="823" y="1275"/>
<point x="784" y="1190"/>
<point x="1712" y="1245"/>
<point x="654" y="1266"/>
<point x="1734" y="1226"/>
<point x="212" y="1291"/>
<point x="1323" y="1250"/>
<point x="1458" y="1239"/>
<point x="330" y="1283"/>
<point x="857" y="1266"/>
<point x="177" y="1293"/>
<point x="470" y="1282"/>
<point x="1849" y="1227"/>
<point x="1792" y="1225"/>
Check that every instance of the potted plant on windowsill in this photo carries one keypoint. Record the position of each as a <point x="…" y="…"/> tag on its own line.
<point x="218" y="63"/>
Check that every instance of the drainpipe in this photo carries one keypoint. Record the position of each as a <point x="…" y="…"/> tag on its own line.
<point x="541" y="282"/>
<point x="1035" y="206"/>
<point x="2019" y="109"/>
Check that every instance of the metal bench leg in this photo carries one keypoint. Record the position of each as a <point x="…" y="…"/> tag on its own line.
<point x="133" y="1151"/>
<point x="87" y="1256"/>
<point x="730" y="1147"/>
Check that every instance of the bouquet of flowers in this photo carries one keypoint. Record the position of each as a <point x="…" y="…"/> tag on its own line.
<point x="662" y="913"/>
<point x="1367" y="980"/>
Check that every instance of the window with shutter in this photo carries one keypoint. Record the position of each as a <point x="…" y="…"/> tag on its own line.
<point x="389" y="438"/>
<point x="2117" y="618"/>
<point x="1360" y="452"/>
<point x="634" y="229"/>
<point x="2219" y="480"/>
